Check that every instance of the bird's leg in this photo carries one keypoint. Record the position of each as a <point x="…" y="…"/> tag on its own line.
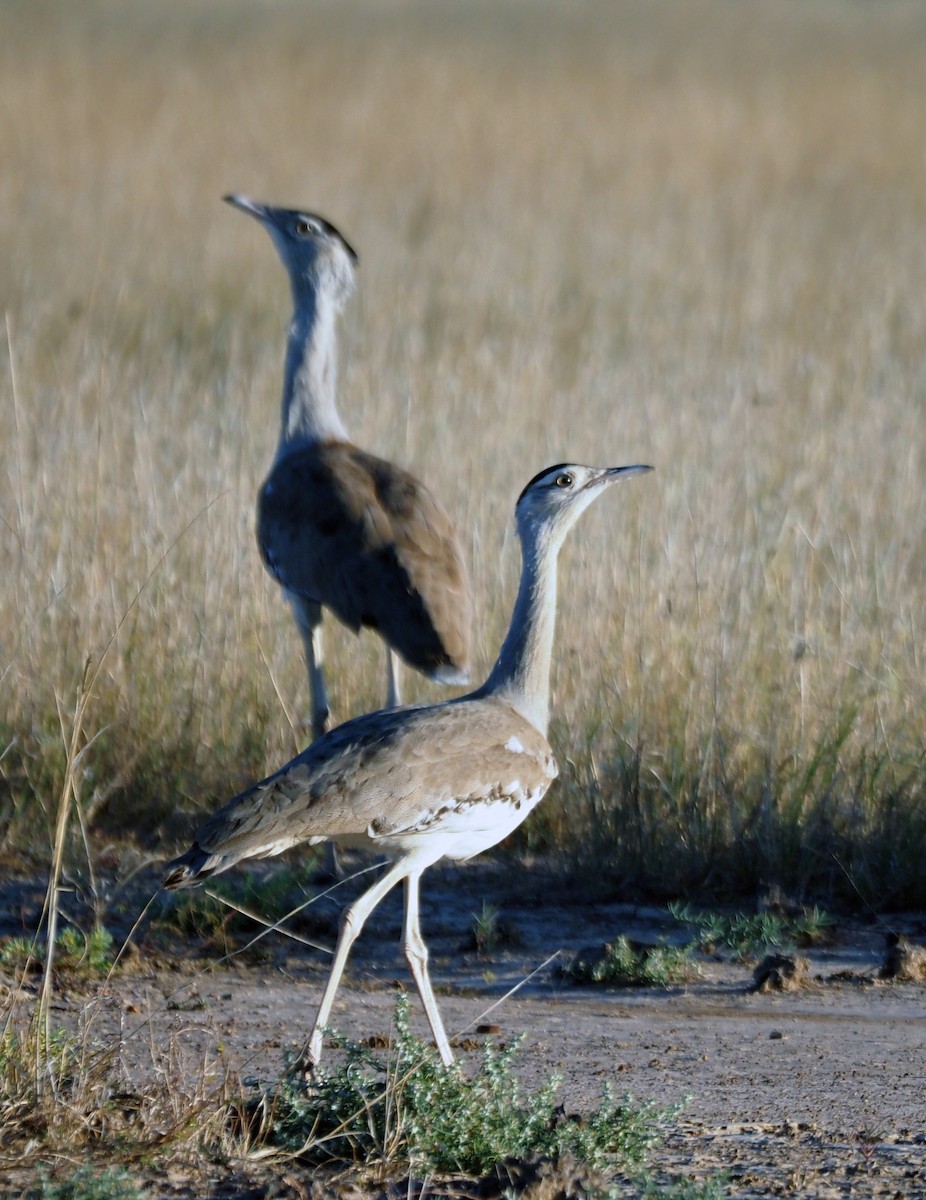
<point x="417" y="954"/>
<point x="315" y="661"/>
<point x="352" y="922"/>
<point x="309" y="619"/>
<point x="393" y="679"/>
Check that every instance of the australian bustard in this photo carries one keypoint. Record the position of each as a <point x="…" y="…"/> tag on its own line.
<point x="445" y="780"/>
<point x="339" y="528"/>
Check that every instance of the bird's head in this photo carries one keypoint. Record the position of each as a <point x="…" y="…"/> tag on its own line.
<point x="314" y="253"/>
<point x="555" y="498"/>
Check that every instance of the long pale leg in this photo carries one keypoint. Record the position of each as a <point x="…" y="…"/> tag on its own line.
<point x="309" y="619"/>
<point x="417" y="954"/>
<point x="393" y="679"/>
<point x="315" y="660"/>
<point x="352" y="921"/>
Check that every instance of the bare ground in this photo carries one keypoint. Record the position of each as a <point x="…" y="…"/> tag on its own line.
<point x="819" y="1093"/>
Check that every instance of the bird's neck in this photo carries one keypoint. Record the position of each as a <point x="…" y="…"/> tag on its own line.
<point x="311" y="375"/>
<point x="521" y="674"/>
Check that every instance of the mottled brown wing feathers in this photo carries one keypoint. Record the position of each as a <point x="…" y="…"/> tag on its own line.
<point x="367" y="540"/>
<point x="384" y="773"/>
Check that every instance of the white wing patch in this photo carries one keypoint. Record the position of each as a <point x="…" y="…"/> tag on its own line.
<point x="514" y="745"/>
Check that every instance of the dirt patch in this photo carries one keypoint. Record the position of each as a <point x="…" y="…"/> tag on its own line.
<point x="817" y="1092"/>
<point x="781" y="973"/>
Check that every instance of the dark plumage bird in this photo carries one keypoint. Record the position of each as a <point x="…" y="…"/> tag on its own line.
<point x="338" y="528"/>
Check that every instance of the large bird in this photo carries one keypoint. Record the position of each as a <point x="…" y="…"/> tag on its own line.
<point x="419" y="784"/>
<point x="339" y="528"/>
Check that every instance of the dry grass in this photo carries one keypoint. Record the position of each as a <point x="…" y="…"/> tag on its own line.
<point x="685" y="234"/>
<point x="74" y="1097"/>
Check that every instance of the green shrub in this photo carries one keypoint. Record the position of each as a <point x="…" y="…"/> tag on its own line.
<point x="89" y="1182"/>
<point x="622" y="964"/>
<point x="408" y="1111"/>
<point x="750" y="935"/>
<point x="90" y="954"/>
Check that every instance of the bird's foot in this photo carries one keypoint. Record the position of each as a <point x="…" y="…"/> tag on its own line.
<point x="303" y="1068"/>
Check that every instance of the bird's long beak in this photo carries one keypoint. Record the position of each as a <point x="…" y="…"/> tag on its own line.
<point x="261" y="211"/>
<point x="610" y="474"/>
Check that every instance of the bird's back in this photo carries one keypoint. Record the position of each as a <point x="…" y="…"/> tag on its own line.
<point x="459" y="775"/>
<point x="367" y="540"/>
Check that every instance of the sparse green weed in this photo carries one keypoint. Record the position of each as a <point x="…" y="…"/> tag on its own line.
<point x="491" y="931"/>
<point x="90" y="1182"/>
<point x="749" y="935"/>
<point x="196" y="914"/>
<point x="211" y="918"/>
<point x="18" y="1054"/>
<point x="621" y="963"/>
<point x="486" y="928"/>
<point x="407" y="1111"/>
<point x="77" y="953"/>
<point x="685" y="1189"/>
<point x="813" y="926"/>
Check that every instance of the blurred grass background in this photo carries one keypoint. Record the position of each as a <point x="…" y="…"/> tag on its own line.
<point x="635" y="230"/>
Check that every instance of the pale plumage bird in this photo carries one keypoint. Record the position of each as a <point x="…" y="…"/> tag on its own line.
<point x="338" y="528"/>
<point x="419" y="784"/>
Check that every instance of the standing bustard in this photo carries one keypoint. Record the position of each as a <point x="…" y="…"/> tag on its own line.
<point x="420" y="784"/>
<point x="339" y="528"/>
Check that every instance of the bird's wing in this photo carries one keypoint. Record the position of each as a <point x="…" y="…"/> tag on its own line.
<point x="307" y="514"/>
<point x="368" y="541"/>
<point x="428" y="551"/>
<point x="387" y="776"/>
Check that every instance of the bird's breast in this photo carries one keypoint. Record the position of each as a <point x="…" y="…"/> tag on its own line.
<point x="465" y="827"/>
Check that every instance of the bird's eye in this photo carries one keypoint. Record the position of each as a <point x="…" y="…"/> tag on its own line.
<point x="304" y="228"/>
<point x="565" y="480"/>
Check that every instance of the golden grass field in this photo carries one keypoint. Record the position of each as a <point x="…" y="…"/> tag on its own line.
<point x="691" y="234"/>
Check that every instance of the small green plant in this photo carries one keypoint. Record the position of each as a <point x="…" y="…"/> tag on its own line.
<point x="622" y="964"/>
<point x="813" y="926"/>
<point x="17" y="1059"/>
<point x="198" y="915"/>
<point x="269" y="895"/>
<point x="685" y="1189"/>
<point x="89" y="1182"/>
<point x="750" y="935"/>
<point x="280" y="889"/>
<point x="86" y="954"/>
<point x="486" y="928"/>
<point x="409" y="1111"/>
<point x="490" y="932"/>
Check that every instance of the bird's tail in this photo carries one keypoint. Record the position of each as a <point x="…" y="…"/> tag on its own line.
<point x="191" y="868"/>
<point x="450" y="675"/>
